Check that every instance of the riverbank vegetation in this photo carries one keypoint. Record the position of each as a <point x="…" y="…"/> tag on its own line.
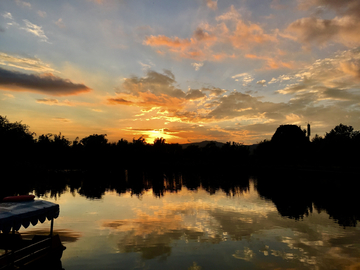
<point x="289" y="148"/>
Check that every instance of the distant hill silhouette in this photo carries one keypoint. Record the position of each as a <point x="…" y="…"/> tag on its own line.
<point x="202" y="144"/>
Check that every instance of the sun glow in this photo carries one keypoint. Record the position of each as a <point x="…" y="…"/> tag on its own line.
<point x="151" y="134"/>
<point x="158" y="133"/>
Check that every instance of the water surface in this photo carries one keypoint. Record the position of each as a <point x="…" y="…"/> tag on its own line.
<point x="203" y="228"/>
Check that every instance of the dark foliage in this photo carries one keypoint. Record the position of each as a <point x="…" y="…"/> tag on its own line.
<point x="288" y="148"/>
<point x="291" y="149"/>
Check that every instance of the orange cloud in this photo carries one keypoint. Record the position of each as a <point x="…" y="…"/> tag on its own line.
<point x="208" y="41"/>
<point x="271" y="63"/>
<point x="50" y="101"/>
<point x="148" y="100"/>
<point x="166" y="41"/>
<point x="192" y="48"/>
<point x="212" y="4"/>
<point x="246" y="35"/>
<point x="221" y="56"/>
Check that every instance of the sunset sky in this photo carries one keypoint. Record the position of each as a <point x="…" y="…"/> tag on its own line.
<point x="187" y="71"/>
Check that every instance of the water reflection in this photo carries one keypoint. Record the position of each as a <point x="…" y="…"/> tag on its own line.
<point x="153" y="220"/>
<point x="294" y="195"/>
<point x="298" y="195"/>
<point x="66" y="235"/>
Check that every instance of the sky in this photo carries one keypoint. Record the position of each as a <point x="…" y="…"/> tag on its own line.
<point x="187" y="71"/>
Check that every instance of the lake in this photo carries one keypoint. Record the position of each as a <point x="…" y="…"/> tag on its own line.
<point x="249" y="225"/>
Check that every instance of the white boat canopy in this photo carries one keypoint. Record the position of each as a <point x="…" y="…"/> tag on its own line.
<point x="15" y="214"/>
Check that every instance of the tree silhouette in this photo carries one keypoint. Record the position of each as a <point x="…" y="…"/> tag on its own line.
<point x="94" y="140"/>
<point x="159" y="142"/>
<point x="16" y="145"/>
<point x="341" y="133"/>
<point x="289" y="135"/>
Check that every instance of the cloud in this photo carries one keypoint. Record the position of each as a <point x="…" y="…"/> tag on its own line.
<point x="194" y="94"/>
<point x="231" y="15"/>
<point x="29" y="27"/>
<point x="154" y="82"/>
<point x="261" y="82"/>
<point x="35" y="30"/>
<point x="46" y="83"/>
<point x="215" y="91"/>
<point x="324" y="93"/>
<point x="23" y="4"/>
<point x="7" y="15"/>
<point x="227" y="38"/>
<point x="61" y="119"/>
<point x="271" y="63"/>
<point x="246" y="78"/>
<point x="26" y="63"/>
<point x="237" y="104"/>
<point x="146" y="66"/>
<point x="275" y="4"/>
<point x="247" y="34"/>
<point x="343" y="28"/>
<point x="49" y="101"/>
<point x="212" y="4"/>
<point x="341" y="72"/>
<point x="60" y="23"/>
<point x="42" y="13"/>
<point x="120" y="101"/>
<point x="197" y="66"/>
<point x="7" y="96"/>
<point x="148" y="101"/>
<point x="155" y="90"/>
<point x="157" y="95"/>
<point x="347" y="7"/>
<point x="162" y="40"/>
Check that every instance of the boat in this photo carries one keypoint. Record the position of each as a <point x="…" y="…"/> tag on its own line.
<point x="38" y="252"/>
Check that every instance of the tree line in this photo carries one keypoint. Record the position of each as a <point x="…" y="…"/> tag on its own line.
<point x="21" y="150"/>
<point x="289" y="148"/>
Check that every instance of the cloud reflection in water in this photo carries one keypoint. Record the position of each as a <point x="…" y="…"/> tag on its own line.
<point x="247" y="232"/>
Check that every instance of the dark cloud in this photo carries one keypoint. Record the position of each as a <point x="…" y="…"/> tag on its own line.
<point x="45" y="83"/>
<point x="341" y="30"/>
<point x="337" y="94"/>
<point x="169" y="73"/>
<point x="343" y="7"/>
<point x="238" y="104"/>
<point x="154" y="82"/>
<point x="119" y="101"/>
<point x="47" y="100"/>
<point x="2" y="29"/>
<point x="200" y="34"/>
<point x="344" y="28"/>
<point x="194" y="94"/>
